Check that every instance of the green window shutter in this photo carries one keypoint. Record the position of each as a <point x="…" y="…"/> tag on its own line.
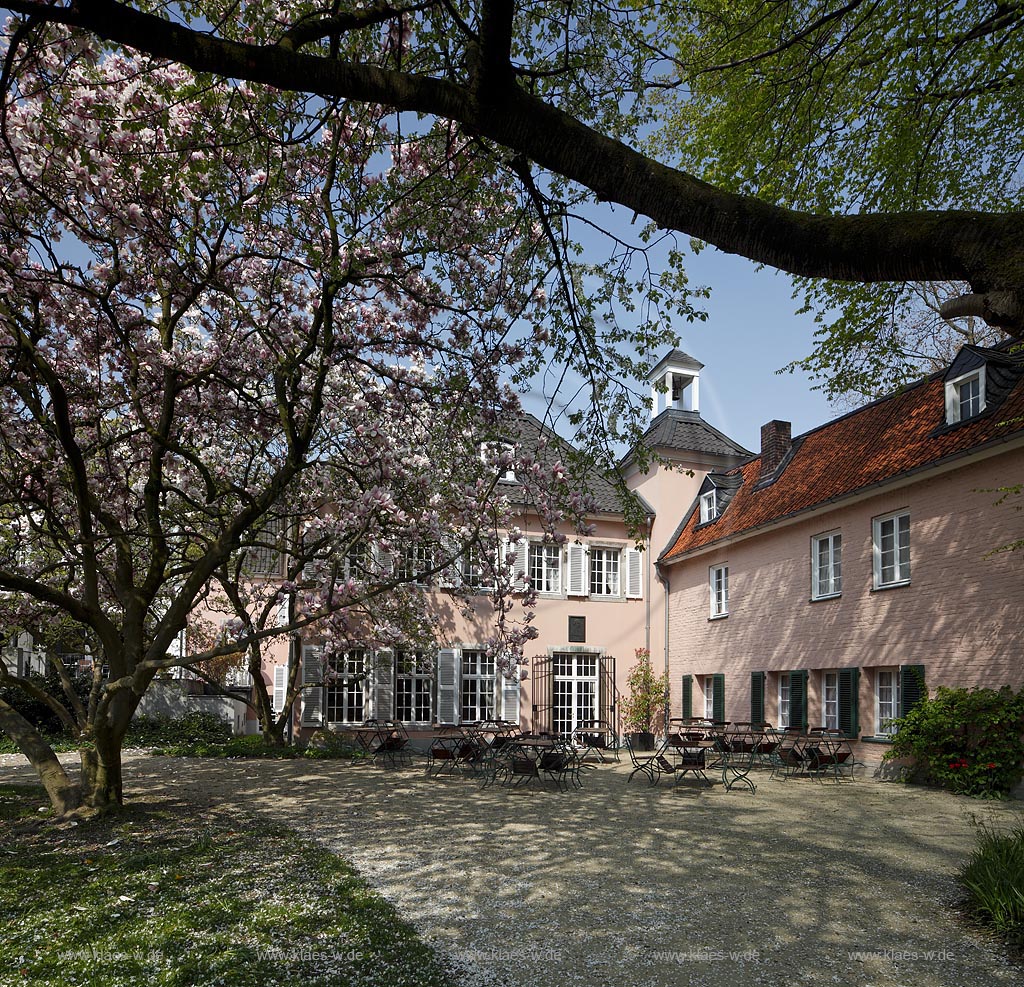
<point x="718" y="698"/>
<point x="757" y="697"/>
<point x="849" y="686"/>
<point x="798" y="699"/>
<point x="912" y="687"/>
<point x="687" y="696"/>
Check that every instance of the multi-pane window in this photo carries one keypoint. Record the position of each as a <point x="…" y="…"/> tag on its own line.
<point x="478" y="674"/>
<point x="969" y="397"/>
<point x="604" y="571"/>
<point x="719" y="579"/>
<point x="709" y="697"/>
<point x="475" y="572"/>
<point x="414" y="687"/>
<point x="891" y="549"/>
<point x="826" y="565"/>
<point x="575" y="691"/>
<point x="708" y="506"/>
<point x="830" y="700"/>
<point x="358" y="560"/>
<point x="887" y="700"/>
<point x="345" y="694"/>
<point x="545" y="567"/>
<point x="414" y="563"/>
<point x="784" y="699"/>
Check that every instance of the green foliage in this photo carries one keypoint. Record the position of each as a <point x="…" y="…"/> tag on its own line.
<point x="159" y="899"/>
<point x="190" y="729"/>
<point x="994" y="881"/>
<point x="38" y="713"/>
<point x="836" y="109"/>
<point x="643" y="709"/>
<point x="970" y="741"/>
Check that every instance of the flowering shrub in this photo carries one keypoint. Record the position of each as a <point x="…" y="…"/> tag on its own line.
<point x="643" y="710"/>
<point x="970" y="741"/>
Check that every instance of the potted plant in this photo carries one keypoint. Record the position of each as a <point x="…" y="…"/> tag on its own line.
<point x="643" y="709"/>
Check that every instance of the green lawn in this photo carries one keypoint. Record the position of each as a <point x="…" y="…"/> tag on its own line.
<point x="160" y="895"/>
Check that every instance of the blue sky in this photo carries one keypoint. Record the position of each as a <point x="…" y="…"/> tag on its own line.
<point x="751" y="331"/>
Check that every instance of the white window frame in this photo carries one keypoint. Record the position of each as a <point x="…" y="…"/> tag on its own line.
<point x="413" y="564"/>
<point x="784" y="699"/>
<point x="544" y="568"/>
<point x="418" y="671"/>
<point x="827" y="584"/>
<point x="718" y="584"/>
<point x="708" y="506"/>
<point x="478" y="676"/>
<point x="708" y="685"/>
<point x="954" y="396"/>
<point x="346" y="678"/>
<point x="474" y="572"/>
<point x="887" y="700"/>
<point x="890" y="568"/>
<point x="605" y="565"/>
<point x="830" y="699"/>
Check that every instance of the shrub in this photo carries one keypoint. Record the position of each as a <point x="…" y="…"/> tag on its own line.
<point x="41" y="716"/>
<point x="994" y="881"/>
<point x="192" y="729"/>
<point x="969" y="741"/>
<point x="643" y="709"/>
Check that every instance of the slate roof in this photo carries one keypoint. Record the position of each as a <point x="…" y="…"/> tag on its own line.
<point x="533" y="434"/>
<point x="688" y="432"/>
<point x="891" y="438"/>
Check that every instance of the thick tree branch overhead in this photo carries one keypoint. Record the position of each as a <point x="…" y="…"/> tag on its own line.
<point x="481" y="92"/>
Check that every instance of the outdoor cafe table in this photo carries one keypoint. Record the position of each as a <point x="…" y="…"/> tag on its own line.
<point x="709" y="746"/>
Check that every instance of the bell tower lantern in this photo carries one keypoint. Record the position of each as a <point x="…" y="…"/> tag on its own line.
<point x="675" y="384"/>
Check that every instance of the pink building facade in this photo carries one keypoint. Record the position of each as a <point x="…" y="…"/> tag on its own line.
<point x="599" y="599"/>
<point x="832" y="579"/>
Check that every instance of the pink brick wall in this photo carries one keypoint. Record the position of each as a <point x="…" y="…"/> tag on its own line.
<point x="959" y="616"/>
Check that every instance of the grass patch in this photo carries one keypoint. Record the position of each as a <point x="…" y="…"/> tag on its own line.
<point x="23" y="802"/>
<point x="156" y="896"/>
<point x="994" y="880"/>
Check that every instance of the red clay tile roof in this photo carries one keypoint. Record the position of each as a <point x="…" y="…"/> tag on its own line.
<point x="887" y="439"/>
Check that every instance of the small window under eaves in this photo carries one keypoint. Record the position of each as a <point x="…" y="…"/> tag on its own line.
<point x="708" y="506"/>
<point x="965" y="396"/>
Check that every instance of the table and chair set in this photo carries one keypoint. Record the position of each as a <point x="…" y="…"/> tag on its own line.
<point x="695" y="746"/>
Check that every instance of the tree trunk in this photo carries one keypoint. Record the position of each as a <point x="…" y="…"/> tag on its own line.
<point x="64" y="794"/>
<point x="101" y="776"/>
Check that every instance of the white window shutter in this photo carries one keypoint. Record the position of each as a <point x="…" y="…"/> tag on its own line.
<point x="448" y="685"/>
<point x="520" y="568"/>
<point x="280" y="686"/>
<point x="510" y="698"/>
<point x="634" y="574"/>
<point x="385" y="562"/>
<point x="577" y="579"/>
<point x="383" y="685"/>
<point x="284" y="610"/>
<point x="311" y="710"/>
<point x="952" y="404"/>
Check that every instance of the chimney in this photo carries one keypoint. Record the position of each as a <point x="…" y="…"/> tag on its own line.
<point x="776" y="441"/>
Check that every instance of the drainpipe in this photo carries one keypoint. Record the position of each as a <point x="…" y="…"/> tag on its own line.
<point x="664" y="580"/>
<point x="650" y="582"/>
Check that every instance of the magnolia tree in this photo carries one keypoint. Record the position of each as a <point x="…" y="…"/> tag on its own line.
<point x="867" y="142"/>
<point x="236" y="321"/>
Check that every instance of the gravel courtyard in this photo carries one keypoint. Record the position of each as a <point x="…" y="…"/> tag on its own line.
<point x="618" y="884"/>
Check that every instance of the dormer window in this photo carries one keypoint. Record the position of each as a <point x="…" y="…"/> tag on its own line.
<point x="708" y="506"/>
<point x="965" y="396"/>
<point x="491" y="453"/>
